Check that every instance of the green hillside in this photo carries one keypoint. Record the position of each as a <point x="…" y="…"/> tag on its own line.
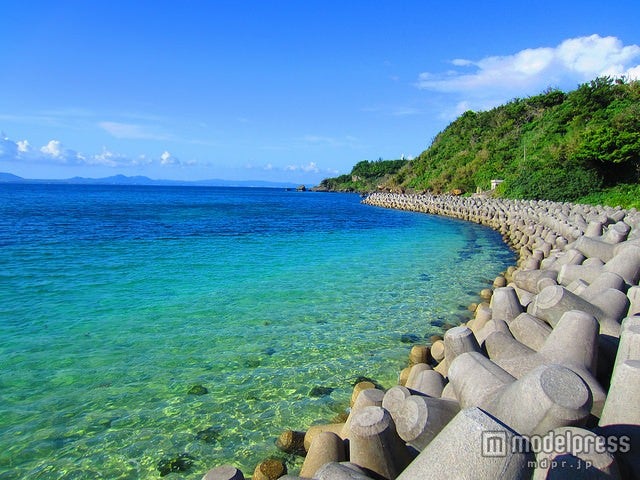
<point x="555" y="146"/>
<point x="365" y="176"/>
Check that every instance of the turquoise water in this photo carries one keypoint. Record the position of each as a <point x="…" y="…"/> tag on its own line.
<point x="115" y="301"/>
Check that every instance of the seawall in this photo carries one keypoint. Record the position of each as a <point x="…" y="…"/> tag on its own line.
<point x="543" y="381"/>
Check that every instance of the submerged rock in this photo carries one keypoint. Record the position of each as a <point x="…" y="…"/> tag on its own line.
<point x="251" y="363"/>
<point x="197" y="390"/>
<point x="270" y="470"/>
<point x="291" y="441"/>
<point x="181" y="463"/>
<point x="320" y="391"/>
<point x="210" y="434"/>
<point x="410" y="338"/>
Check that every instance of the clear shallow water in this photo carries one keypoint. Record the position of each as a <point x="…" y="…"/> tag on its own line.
<point x="114" y="301"/>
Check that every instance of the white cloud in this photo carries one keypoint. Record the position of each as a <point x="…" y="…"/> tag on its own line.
<point x="109" y="159"/>
<point x="132" y="131"/>
<point x="167" y="159"/>
<point x="23" y="146"/>
<point x="311" y="167"/>
<point x="55" y="152"/>
<point x="52" y="149"/>
<point x="461" y="62"/>
<point x="495" y="79"/>
<point x="634" y="73"/>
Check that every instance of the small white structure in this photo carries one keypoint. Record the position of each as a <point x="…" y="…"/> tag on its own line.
<point x="495" y="183"/>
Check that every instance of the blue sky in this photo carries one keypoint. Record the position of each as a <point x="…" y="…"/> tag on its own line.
<point x="277" y="90"/>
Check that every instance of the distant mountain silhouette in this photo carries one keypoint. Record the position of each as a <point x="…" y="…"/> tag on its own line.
<point x="141" y="180"/>
<point x="9" y="177"/>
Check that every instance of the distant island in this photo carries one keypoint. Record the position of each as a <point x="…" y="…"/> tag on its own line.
<point x="141" y="180"/>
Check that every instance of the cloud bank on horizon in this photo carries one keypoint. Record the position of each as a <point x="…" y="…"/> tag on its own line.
<point x="54" y="152"/>
<point x="493" y="80"/>
<point x="471" y="84"/>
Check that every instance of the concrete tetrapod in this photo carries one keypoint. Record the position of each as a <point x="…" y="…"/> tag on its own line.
<point x="367" y="398"/>
<point x="593" y="247"/>
<point x="317" y="429"/>
<point x="576" y="454"/>
<point x="481" y="316"/>
<point x="530" y="279"/>
<point x="573" y="343"/>
<point x="569" y="273"/>
<point x="420" y="419"/>
<point x="360" y="387"/>
<point x="570" y="257"/>
<point x="620" y="418"/>
<point x="465" y="449"/>
<point x="414" y="371"/>
<point x="375" y="445"/>
<point x="530" y="330"/>
<point x="428" y="382"/>
<point x="476" y="380"/>
<point x="626" y="263"/>
<point x="634" y="299"/>
<point x="549" y="396"/>
<point x="505" y="304"/>
<point x="225" y="472"/>
<point x="326" y="447"/>
<point x="494" y="325"/>
<point x="457" y="340"/>
<point x="554" y="301"/>
<point x="394" y="398"/>
<point x="614" y="305"/>
<point x="340" y="471"/>
<point x="605" y="281"/>
<point x="502" y="345"/>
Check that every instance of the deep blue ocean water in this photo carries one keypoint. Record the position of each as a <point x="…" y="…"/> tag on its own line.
<point x="116" y="300"/>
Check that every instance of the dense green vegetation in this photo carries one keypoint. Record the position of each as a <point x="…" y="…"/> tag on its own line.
<point x="624" y="195"/>
<point x="556" y="146"/>
<point x="365" y="176"/>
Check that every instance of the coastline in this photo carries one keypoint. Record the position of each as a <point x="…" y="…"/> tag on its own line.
<point x="541" y="356"/>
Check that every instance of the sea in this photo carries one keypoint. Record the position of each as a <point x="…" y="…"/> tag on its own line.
<point x="150" y="331"/>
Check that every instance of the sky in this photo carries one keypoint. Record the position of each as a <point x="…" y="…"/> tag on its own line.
<point x="278" y="90"/>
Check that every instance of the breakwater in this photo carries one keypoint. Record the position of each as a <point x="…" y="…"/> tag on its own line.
<point x="543" y="382"/>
